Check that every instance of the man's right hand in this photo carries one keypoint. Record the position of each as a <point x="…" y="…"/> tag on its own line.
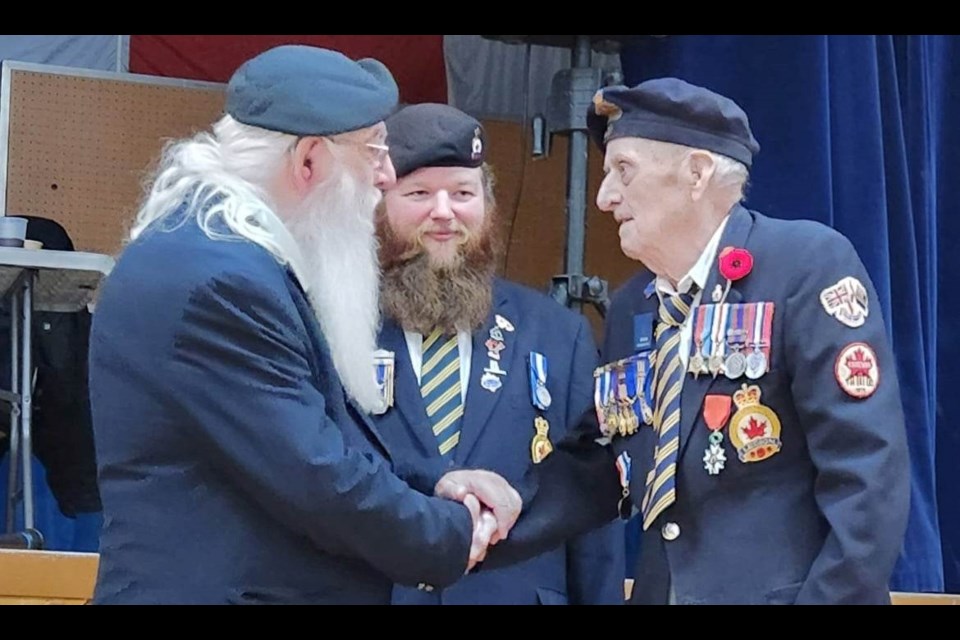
<point x="484" y="528"/>
<point x="490" y="489"/>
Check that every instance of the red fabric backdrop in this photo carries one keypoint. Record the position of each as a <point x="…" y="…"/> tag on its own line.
<point x="416" y="61"/>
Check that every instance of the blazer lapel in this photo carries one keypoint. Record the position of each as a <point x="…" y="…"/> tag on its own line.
<point x="695" y="389"/>
<point x="406" y="390"/>
<point x="481" y="401"/>
<point x="323" y="352"/>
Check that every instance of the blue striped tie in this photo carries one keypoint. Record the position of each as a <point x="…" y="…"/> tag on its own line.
<point x="668" y="373"/>
<point x="440" y="389"/>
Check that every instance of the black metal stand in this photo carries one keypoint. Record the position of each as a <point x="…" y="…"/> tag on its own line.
<point x="26" y="539"/>
<point x="571" y="93"/>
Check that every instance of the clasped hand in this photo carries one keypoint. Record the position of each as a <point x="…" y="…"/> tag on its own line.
<point x="494" y="506"/>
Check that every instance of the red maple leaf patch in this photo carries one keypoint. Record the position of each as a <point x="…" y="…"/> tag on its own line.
<point x="755" y="428"/>
<point x="859" y="364"/>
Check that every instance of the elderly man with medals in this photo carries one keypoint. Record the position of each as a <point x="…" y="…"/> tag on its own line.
<point x="773" y="468"/>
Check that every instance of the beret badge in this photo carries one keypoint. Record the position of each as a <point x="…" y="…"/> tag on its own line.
<point x="477" y="149"/>
<point x="603" y="107"/>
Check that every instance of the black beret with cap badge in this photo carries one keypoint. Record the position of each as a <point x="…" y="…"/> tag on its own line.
<point x="434" y="135"/>
<point x="672" y="110"/>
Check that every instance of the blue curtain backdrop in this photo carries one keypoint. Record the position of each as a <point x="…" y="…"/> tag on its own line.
<point x="856" y="132"/>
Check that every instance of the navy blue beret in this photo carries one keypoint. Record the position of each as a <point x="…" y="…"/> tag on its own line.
<point x="309" y="91"/>
<point x="671" y="110"/>
<point x="434" y="135"/>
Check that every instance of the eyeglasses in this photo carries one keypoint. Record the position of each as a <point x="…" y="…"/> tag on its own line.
<point x="382" y="151"/>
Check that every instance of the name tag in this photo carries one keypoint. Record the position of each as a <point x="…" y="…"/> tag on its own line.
<point x="643" y="332"/>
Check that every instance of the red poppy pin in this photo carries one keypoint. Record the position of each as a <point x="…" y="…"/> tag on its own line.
<point x="735" y="263"/>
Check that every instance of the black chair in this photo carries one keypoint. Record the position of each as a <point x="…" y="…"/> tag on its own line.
<point x="62" y="426"/>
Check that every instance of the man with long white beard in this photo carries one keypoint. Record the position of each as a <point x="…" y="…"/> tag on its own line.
<point x="485" y="373"/>
<point x="231" y="364"/>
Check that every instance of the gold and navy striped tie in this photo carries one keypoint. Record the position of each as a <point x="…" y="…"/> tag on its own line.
<point x="668" y="375"/>
<point x="440" y="389"/>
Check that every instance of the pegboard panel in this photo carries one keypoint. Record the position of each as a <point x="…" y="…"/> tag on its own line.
<point x="80" y="147"/>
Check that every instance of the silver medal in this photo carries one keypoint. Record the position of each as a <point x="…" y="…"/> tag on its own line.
<point x="735" y="365"/>
<point x="714" y="459"/>
<point x="697" y="365"/>
<point x="716" y="364"/>
<point x="543" y="396"/>
<point x="490" y="382"/>
<point x="756" y="365"/>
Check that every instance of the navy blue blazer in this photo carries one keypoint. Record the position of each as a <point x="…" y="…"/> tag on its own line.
<point x="823" y="520"/>
<point x="496" y="434"/>
<point x="232" y="466"/>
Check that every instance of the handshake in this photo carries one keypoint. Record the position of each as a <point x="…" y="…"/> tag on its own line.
<point x="493" y="504"/>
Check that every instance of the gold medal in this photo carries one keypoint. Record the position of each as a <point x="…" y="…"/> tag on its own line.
<point x="540" y="446"/>
<point x="628" y="418"/>
<point x="611" y="418"/>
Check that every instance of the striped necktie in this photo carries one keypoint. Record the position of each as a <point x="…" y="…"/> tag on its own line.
<point x="440" y="389"/>
<point x="668" y="373"/>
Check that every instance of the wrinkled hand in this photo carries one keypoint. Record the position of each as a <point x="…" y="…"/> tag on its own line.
<point x="490" y="489"/>
<point x="484" y="528"/>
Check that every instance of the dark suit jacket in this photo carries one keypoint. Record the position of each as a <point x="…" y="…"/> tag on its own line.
<point x="822" y="521"/>
<point x="232" y="467"/>
<point x="496" y="433"/>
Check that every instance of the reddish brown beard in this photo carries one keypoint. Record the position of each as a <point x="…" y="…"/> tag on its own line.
<point x="422" y="296"/>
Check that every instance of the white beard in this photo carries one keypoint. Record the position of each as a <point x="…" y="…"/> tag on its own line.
<point x="334" y="229"/>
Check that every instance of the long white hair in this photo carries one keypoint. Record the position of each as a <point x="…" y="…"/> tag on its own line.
<point x="328" y="241"/>
<point x="222" y="176"/>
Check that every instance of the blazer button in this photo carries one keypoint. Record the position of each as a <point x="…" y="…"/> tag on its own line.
<point x="670" y="531"/>
<point x="425" y="587"/>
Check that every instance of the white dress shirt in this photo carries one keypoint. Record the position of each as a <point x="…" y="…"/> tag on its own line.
<point x="698" y="274"/>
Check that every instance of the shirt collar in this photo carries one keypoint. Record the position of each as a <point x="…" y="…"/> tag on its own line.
<point x="698" y="273"/>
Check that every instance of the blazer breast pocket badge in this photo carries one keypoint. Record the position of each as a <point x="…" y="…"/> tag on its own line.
<point x="754" y="428"/>
<point x="384" y="365"/>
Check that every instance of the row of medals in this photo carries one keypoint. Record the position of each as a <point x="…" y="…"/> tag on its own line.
<point x="744" y="352"/>
<point x="735" y="365"/>
<point x="619" y="414"/>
